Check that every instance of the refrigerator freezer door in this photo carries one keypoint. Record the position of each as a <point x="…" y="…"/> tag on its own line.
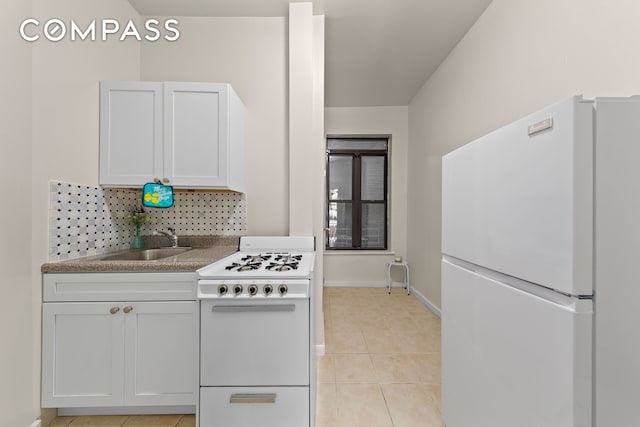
<point x="510" y="358"/>
<point x="522" y="204"/>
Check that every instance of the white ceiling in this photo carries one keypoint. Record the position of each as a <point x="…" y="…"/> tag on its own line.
<point x="378" y="52"/>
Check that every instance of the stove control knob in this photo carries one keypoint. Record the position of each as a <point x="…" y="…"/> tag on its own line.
<point x="222" y="290"/>
<point x="267" y="289"/>
<point x="237" y="289"/>
<point x="253" y="289"/>
<point x="282" y="289"/>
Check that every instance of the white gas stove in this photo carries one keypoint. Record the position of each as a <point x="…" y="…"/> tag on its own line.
<point x="264" y="267"/>
<point x="256" y="358"/>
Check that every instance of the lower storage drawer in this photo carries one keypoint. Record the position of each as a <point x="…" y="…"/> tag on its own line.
<point x="254" y="406"/>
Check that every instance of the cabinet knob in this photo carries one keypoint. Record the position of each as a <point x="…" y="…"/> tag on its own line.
<point x="156" y="180"/>
<point x="128" y="309"/>
<point x="114" y="310"/>
<point x="165" y="180"/>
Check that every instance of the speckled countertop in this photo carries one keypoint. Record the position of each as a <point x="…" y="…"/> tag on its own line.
<point x="205" y="251"/>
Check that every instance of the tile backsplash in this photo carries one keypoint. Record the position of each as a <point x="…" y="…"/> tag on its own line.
<point x="86" y="220"/>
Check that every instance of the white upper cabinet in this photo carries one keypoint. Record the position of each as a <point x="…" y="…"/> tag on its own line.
<point x="188" y="135"/>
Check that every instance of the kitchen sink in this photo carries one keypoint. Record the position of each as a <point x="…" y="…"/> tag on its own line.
<point x="146" y="254"/>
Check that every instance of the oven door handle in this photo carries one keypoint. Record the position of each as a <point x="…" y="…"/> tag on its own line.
<point x="253" y="398"/>
<point x="252" y="308"/>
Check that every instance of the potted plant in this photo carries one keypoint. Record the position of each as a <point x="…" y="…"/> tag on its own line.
<point x="137" y="218"/>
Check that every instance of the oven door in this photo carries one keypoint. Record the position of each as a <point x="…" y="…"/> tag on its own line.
<point x="254" y="342"/>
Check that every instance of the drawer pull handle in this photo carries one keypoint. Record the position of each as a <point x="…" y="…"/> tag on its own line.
<point x="114" y="310"/>
<point x="127" y="309"/>
<point x="252" y="308"/>
<point x="253" y="398"/>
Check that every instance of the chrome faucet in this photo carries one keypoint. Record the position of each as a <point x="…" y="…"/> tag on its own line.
<point x="172" y="236"/>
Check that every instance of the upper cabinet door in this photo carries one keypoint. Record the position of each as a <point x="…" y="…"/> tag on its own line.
<point x="196" y="130"/>
<point x="130" y="133"/>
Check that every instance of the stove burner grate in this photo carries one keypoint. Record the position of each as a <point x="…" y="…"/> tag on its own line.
<point x="288" y="258"/>
<point x="248" y="266"/>
<point x="256" y="258"/>
<point x="282" y="266"/>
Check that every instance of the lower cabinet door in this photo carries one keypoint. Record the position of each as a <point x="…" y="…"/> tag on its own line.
<point x="82" y="354"/>
<point x="161" y="342"/>
<point x="254" y="406"/>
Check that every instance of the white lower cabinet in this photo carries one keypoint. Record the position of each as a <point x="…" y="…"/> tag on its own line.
<point x="254" y="406"/>
<point x="119" y="353"/>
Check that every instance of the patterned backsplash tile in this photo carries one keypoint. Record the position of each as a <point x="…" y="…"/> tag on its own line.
<point x="86" y="220"/>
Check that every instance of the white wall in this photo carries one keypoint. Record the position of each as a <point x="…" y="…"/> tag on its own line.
<point x="251" y="55"/>
<point x="17" y="379"/>
<point x="366" y="269"/>
<point x="520" y="56"/>
<point x="306" y="138"/>
<point x="301" y="138"/>
<point x="65" y="78"/>
<point x="317" y="158"/>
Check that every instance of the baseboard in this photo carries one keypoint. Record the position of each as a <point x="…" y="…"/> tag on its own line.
<point x="352" y="284"/>
<point x="126" y="410"/>
<point x="36" y="423"/>
<point x="426" y="302"/>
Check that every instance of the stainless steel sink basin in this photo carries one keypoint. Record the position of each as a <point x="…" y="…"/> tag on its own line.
<point x="146" y="254"/>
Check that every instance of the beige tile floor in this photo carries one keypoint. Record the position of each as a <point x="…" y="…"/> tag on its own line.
<point x="381" y="367"/>
<point x="382" y="361"/>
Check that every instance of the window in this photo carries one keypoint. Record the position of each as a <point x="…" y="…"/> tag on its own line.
<point x="357" y="193"/>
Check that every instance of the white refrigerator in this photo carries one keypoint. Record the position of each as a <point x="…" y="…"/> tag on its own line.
<point x="540" y="278"/>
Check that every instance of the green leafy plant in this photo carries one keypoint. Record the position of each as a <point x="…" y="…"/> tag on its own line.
<point x="138" y="217"/>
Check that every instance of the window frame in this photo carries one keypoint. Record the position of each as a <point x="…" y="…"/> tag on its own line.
<point x="356" y="200"/>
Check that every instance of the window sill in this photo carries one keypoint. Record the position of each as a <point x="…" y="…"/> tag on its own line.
<point x="335" y="252"/>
